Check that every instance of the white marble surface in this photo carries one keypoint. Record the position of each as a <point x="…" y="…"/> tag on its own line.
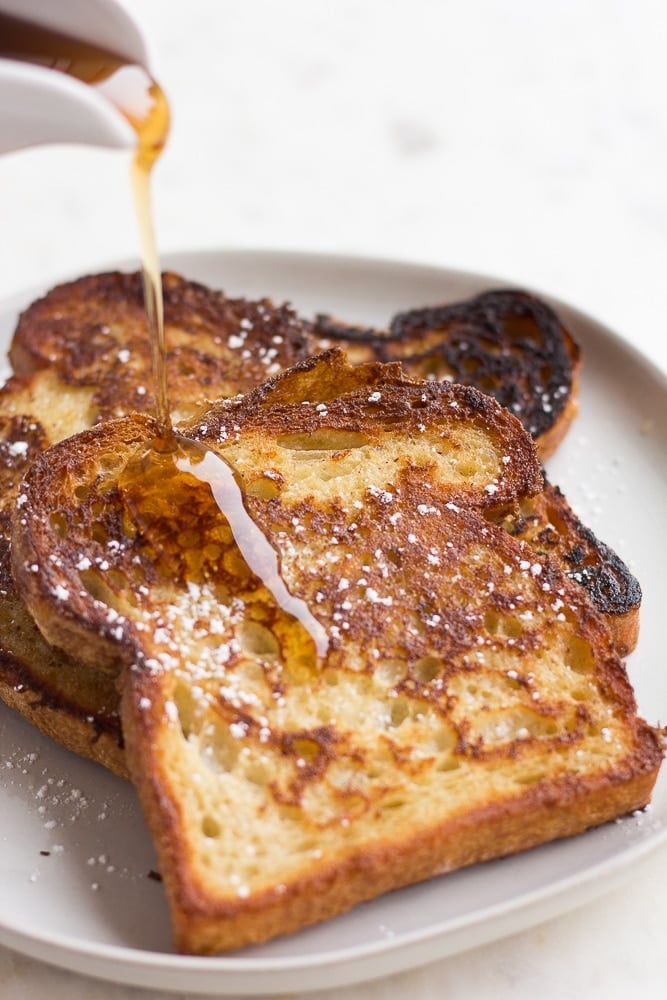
<point x="522" y="138"/>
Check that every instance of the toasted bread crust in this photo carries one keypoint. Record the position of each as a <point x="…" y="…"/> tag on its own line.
<point x="470" y="702"/>
<point x="61" y="716"/>
<point x="488" y="834"/>
<point x="548" y="523"/>
<point x="75" y="705"/>
<point x="37" y="589"/>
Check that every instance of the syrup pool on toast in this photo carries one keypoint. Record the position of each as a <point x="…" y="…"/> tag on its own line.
<point x="187" y="502"/>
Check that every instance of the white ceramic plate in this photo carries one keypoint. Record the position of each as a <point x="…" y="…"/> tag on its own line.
<point x="74" y="854"/>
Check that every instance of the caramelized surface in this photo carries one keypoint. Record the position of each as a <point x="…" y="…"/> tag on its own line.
<point x="548" y="524"/>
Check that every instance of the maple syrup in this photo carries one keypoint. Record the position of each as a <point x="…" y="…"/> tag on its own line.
<point x="155" y="485"/>
<point x="176" y="494"/>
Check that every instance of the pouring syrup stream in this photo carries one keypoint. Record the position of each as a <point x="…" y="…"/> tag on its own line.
<point x="141" y="101"/>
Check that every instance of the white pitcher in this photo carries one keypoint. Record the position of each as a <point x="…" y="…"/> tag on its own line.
<point x="40" y="105"/>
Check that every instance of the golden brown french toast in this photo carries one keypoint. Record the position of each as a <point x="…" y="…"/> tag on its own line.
<point x="466" y="702"/>
<point x="508" y="343"/>
<point x="83" y="349"/>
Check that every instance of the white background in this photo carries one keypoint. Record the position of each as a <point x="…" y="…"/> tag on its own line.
<point x="522" y="138"/>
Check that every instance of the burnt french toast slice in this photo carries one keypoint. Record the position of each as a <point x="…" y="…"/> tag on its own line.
<point x="466" y="702"/>
<point x="510" y="344"/>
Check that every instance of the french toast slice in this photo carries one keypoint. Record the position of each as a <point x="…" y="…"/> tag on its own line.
<point x="83" y="353"/>
<point x="508" y="343"/>
<point x="467" y="702"/>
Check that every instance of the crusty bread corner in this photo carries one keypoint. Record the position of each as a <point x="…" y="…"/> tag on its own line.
<point x="549" y="525"/>
<point x="549" y="440"/>
<point x="469" y="704"/>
